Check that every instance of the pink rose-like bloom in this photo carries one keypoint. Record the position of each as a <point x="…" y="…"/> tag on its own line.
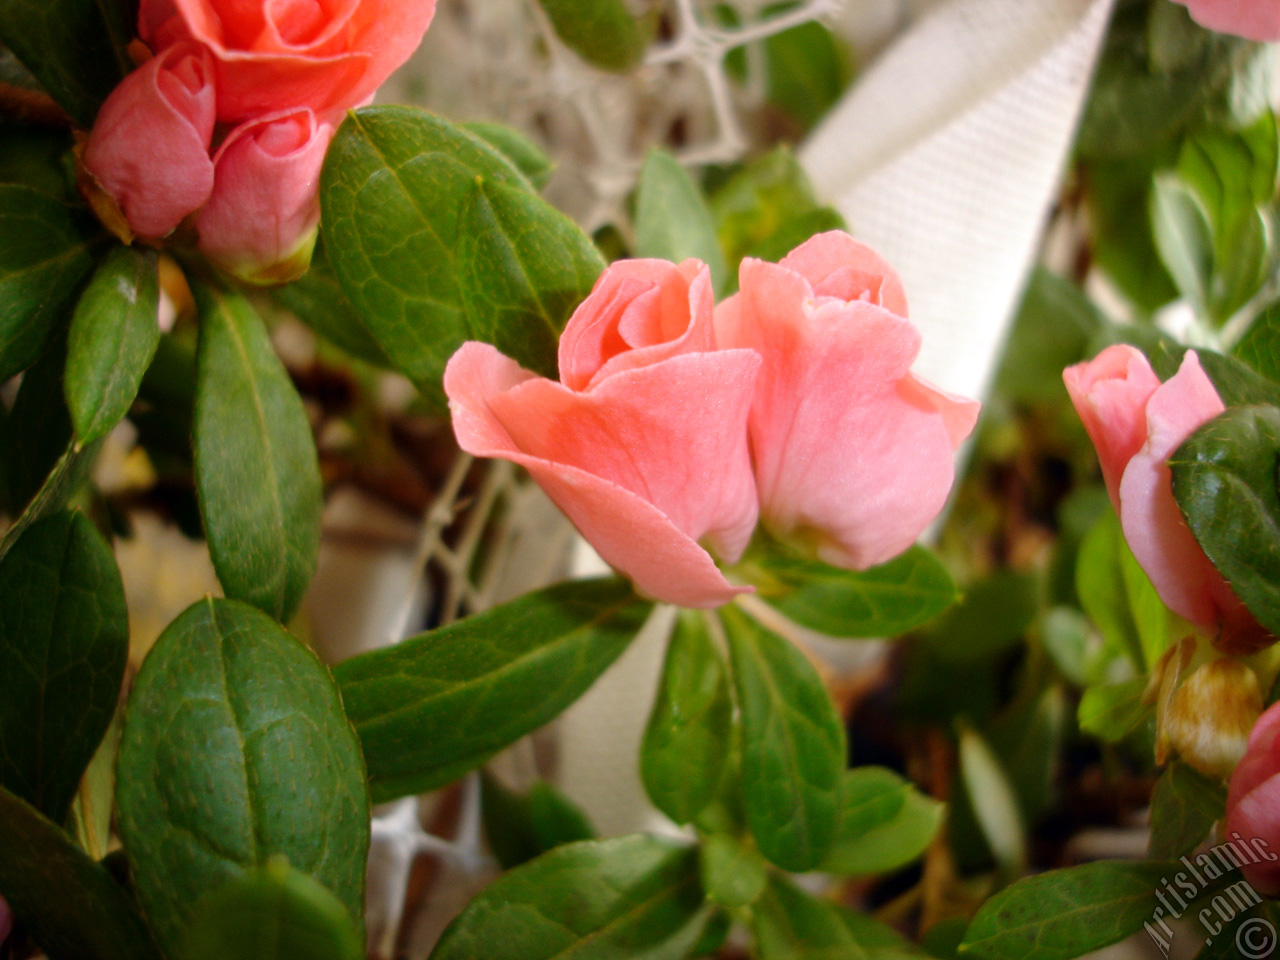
<point x="149" y="147"/>
<point x="273" y="55"/>
<point x="1136" y="423"/>
<point x="1253" y="803"/>
<point x="643" y="442"/>
<point x="853" y="452"/>
<point x="1252" y="19"/>
<point x="261" y="219"/>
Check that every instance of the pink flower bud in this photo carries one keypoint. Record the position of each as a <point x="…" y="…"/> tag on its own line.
<point x="1252" y="19"/>
<point x="149" y="147"/>
<point x="1253" y="803"/>
<point x="643" y="443"/>
<point x="853" y="452"/>
<point x="261" y="219"/>
<point x="286" y="54"/>
<point x="1136" y="423"/>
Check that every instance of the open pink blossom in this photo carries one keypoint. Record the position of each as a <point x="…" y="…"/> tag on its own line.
<point x="1136" y="423"/>
<point x="1253" y="803"/>
<point x="643" y="442"/>
<point x="149" y="147"/>
<point x="274" y="55"/>
<point x="1253" y="19"/>
<point x="261" y="219"/>
<point x="853" y="452"/>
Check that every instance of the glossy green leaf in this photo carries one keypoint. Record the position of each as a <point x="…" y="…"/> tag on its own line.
<point x="672" y="219"/>
<point x="436" y="705"/>
<point x="885" y="823"/>
<point x="733" y="872"/>
<point x="1112" y="710"/>
<point x="64" y="640"/>
<point x="602" y="32"/>
<point x="1100" y="584"/>
<point x="45" y="251"/>
<point x="523" y="267"/>
<point x="316" y="298"/>
<point x="114" y="333"/>
<point x="993" y="615"/>
<point x="1184" y="237"/>
<point x="884" y="601"/>
<point x="1260" y="345"/>
<point x="67" y="472"/>
<point x="236" y="749"/>
<point x="272" y="913"/>
<point x="412" y="205"/>
<point x="256" y="469"/>
<point x="1066" y="913"/>
<point x="527" y="157"/>
<point x="595" y="900"/>
<point x="1184" y="805"/>
<point x="75" y="48"/>
<point x="1225" y="482"/>
<point x="686" y="744"/>
<point x="74" y="909"/>
<point x="790" y="924"/>
<point x="39" y="425"/>
<point x="519" y="827"/>
<point x="793" y="746"/>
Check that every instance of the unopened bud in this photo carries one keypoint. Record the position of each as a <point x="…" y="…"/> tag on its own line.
<point x="1211" y="714"/>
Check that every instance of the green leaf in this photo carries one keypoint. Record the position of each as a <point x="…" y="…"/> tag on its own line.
<point x="235" y="749"/>
<point x="884" y="601"/>
<point x="272" y="913"/>
<point x="523" y="266"/>
<point x="1150" y="615"/>
<point x="1112" y="710"/>
<point x="994" y="802"/>
<point x="733" y="872"/>
<point x="602" y="32"/>
<point x="527" y="157"/>
<point x="44" y="253"/>
<point x="599" y="899"/>
<point x="436" y="705"/>
<point x="256" y="469"/>
<point x="71" y="905"/>
<point x="67" y="472"/>
<point x="316" y="298"/>
<point x="1064" y="914"/>
<point x="411" y="205"/>
<point x="1101" y="586"/>
<point x="1225" y="482"/>
<point x="1184" y="237"/>
<point x="673" y="221"/>
<point x="64" y="640"/>
<point x="34" y="156"/>
<point x="114" y="333"/>
<point x="1184" y="805"/>
<point x="790" y="924"/>
<point x="686" y="744"/>
<point x="1053" y="328"/>
<point x="519" y="828"/>
<point x="993" y="615"/>
<point x="1260" y="345"/>
<point x="75" y="48"/>
<point x="885" y="823"/>
<point x="39" y="426"/>
<point x="1123" y="244"/>
<point x="793" y="746"/>
<point x="808" y="71"/>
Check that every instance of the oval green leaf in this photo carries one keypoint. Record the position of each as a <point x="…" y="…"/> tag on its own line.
<point x="44" y="254"/>
<point x="793" y="746"/>
<point x="64" y="640"/>
<point x="626" y="897"/>
<point x="273" y="913"/>
<point x="114" y="333"/>
<point x="256" y="470"/>
<point x="1184" y="806"/>
<point x="790" y="924"/>
<point x="673" y="221"/>
<point x="74" y="909"/>
<point x="402" y="192"/>
<point x="884" y="601"/>
<point x="439" y="704"/>
<point x="686" y="743"/>
<point x="235" y="749"/>
<point x="602" y="32"/>
<point x="1226" y="483"/>
<point x="885" y="823"/>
